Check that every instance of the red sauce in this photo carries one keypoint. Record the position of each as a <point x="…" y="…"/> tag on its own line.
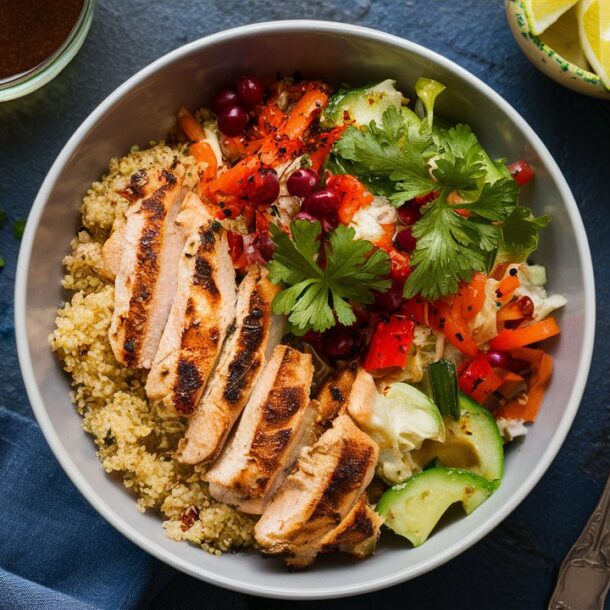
<point x="32" y="30"/>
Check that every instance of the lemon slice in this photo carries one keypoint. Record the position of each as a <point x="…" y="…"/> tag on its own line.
<point x="594" y="31"/>
<point x="543" y="13"/>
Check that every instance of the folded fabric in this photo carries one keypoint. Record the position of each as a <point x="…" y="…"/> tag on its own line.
<point x="55" y="550"/>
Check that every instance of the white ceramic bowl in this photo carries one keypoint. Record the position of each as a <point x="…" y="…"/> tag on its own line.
<point x="143" y="108"/>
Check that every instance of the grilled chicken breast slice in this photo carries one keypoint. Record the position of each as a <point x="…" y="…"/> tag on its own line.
<point x="141" y="185"/>
<point x="146" y="282"/>
<point x="276" y="423"/>
<point x="201" y="313"/>
<point x="357" y="534"/>
<point x="332" y="399"/>
<point x="325" y="485"/>
<point x="255" y="334"/>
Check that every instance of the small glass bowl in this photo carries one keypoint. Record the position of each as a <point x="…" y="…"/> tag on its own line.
<point x="35" y="78"/>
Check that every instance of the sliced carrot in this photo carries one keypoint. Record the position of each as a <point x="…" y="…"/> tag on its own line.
<point x="506" y="288"/>
<point x="304" y="112"/>
<point x="190" y="125"/>
<point x="323" y="145"/>
<point x="510" y="311"/>
<point x="385" y="241"/>
<point x="527" y="408"/>
<point x="353" y="194"/>
<point x="509" y="339"/>
<point x="203" y="152"/>
<point x="471" y="297"/>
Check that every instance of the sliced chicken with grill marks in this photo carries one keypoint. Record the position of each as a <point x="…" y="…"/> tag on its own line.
<point x="141" y="185"/>
<point x="332" y="399"/>
<point x="327" y="482"/>
<point x="276" y="423"/>
<point x="255" y="334"/>
<point x="357" y="534"/>
<point x="146" y="282"/>
<point x="201" y="313"/>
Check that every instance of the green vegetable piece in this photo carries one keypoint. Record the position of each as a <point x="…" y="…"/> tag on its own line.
<point x="428" y="90"/>
<point x="473" y="443"/>
<point x="443" y="378"/>
<point x="413" y="508"/>
<point x="317" y="298"/>
<point x="361" y="105"/>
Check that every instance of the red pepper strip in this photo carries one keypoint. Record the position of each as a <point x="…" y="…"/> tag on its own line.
<point x="542" y="365"/>
<point x="509" y="339"/>
<point x="236" y="250"/>
<point x="390" y="344"/>
<point x="479" y="380"/>
<point x="401" y="265"/>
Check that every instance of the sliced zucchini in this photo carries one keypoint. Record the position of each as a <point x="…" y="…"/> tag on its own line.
<point x="413" y="508"/>
<point x="361" y="105"/>
<point x="472" y="443"/>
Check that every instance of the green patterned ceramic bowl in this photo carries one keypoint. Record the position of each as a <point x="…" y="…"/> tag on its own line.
<point x="557" y="51"/>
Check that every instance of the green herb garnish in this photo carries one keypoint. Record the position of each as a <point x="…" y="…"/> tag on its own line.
<point x="317" y="297"/>
<point x="474" y="218"/>
<point x="443" y="379"/>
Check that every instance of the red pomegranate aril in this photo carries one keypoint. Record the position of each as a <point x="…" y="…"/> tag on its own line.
<point x="249" y="90"/>
<point x="409" y="213"/>
<point x="521" y="171"/>
<point x="232" y="120"/>
<point x="388" y="301"/>
<point x="405" y="241"/>
<point x="338" y="341"/>
<point x="263" y="187"/>
<point x="526" y="305"/>
<point x="265" y="246"/>
<point x="330" y="222"/>
<point x="302" y="182"/>
<point x="499" y="359"/>
<point x="321" y="203"/>
<point x="224" y="98"/>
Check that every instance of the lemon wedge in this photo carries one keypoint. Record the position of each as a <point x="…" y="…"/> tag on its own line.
<point x="543" y="13"/>
<point x="594" y="31"/>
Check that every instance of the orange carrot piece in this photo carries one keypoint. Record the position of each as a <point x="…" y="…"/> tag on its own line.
<point x="203" y="152"/>
<point x="303" y="113"/>
<point x="507" y="288"/>
<point x="190" y="125"/>
<point x="509" y="339"/>
<point x="471" y="297"/>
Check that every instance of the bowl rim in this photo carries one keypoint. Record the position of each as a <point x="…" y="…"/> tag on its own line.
<point x="223" y="580"/>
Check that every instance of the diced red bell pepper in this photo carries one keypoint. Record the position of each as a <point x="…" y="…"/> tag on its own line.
<point x="479" y="380"/>
<point x="390" y="344"/>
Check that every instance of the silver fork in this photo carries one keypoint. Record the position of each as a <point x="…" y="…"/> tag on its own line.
<point x="584" y="576"/>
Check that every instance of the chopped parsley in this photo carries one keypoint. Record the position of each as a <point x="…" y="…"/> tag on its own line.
<point x="474" y="218"/>
<point x="317" y="296"/>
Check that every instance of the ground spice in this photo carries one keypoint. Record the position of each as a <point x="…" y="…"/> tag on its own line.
<point x="32" y="30"/>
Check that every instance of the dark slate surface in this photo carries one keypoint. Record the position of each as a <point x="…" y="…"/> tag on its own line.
<point x="515" y="566"/>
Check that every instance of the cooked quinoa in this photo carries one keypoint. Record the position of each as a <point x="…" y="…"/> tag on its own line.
<point x="132" y="436"/>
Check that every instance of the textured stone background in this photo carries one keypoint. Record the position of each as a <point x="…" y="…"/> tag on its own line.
<point x="515" y="566"/>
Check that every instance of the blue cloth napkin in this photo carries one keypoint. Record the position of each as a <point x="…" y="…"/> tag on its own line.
<point x="55" y="550"/>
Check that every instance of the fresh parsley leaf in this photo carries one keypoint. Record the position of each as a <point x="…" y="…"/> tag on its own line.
<point x="520" y="235"/>
<point x="18" y="228"/>
<point x="317" y="298"/>
<point x="395" y="151"/>
<point x="447" y="251"/>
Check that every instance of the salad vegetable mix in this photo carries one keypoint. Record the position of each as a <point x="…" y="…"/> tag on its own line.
<point x="399" y="244"/>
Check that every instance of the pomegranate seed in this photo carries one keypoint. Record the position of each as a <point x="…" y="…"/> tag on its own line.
<point x="302" y="182"/>
<point x="249" y="90"/>
<point x="499" y="359"/>
<point x="526" y="305"/>
<point x="263" y="187"/>
<point x="405" y="241"/>
<point x="521" y="171"/>
<point x="224" y="98"/>
<point x="321" y="203"/>
<point x="390" y="300"/>
<point x="409" y="213"/>
<point x="338" y="341"/>
<point x="232" y="120"/>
